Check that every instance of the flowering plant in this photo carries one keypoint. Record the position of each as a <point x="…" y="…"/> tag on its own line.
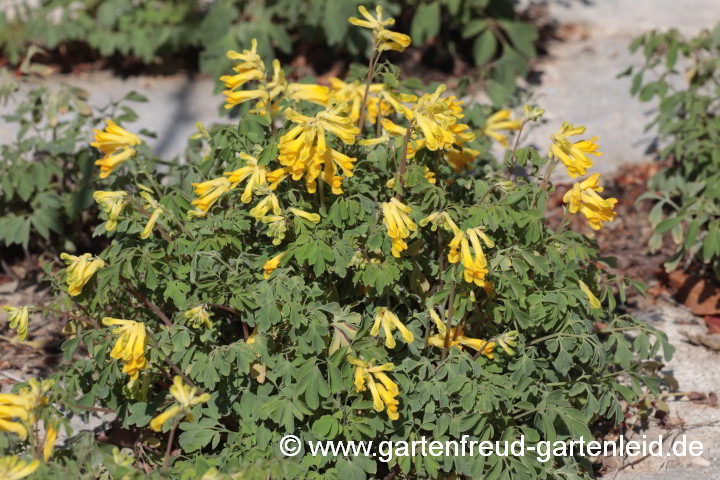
<point x="334" y="278"/>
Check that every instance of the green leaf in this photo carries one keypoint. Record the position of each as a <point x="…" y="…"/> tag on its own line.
<point x="484" y="47"/>
<point x="425" y="23"/>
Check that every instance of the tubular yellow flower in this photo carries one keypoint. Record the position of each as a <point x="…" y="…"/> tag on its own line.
<point x="157" y="210"/>
<point x="583" y="197"/>
<point x="311" y="217"/>
<point x="185" y="397"/>
<point x="398" y="223"/>
<point x="430" y="176"/>
<point x="130" y="345"/>
<point x="438" y="340"/>
<point x="435" y="117"/>
<point x="499" y="121"/>
<point x="573" y="155"/>
<point x="198" y="316"/>
<point x="209" y="191"/>
<point x="18" y="319"/>
<point x="594" y="302"/>
<point x="389" y="321"/>
<point x="112" y="203"/>
<point x="384" y="39"/>
<point x="113" y="138"/>
<point x="256" y="175"/>
<point x="476" y="268"/>
<point x="236" y="98"/>
<point x="112" y="160"/>
<point x="14" y="406"/>
<point x="263" y="207"/>
<point x="304" y="150"/>
<point x="50" y="438"/>
<point x="276" y="176"/>
<point x="272" y="264"/>
<point x="80" y="270"/>
<point x="384" y="393"/>
<point x="12" y="468"/>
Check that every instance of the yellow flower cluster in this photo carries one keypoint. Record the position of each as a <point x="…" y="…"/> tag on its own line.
<point x="12" y="468"/>
<point x="573" y="155"/>
<point x="583" y="197"/>
<point x="18" y="318"/>
<point x="22" y="406"/>
<point x="304" y="150"/>
<point x="459" y="340"/>
<point x="130" y="345"/>
<point x="185" y="397"/>
<point x="250" y="67"/>
<point x="112" y="203"/>
<point x="116" y="143"/>
<point x="383" y="39"/>
<point x="474" y="268"/>
<point x="80" y="270"/>
<point x="500" y="121"/>
<point x="398" y="223"/>
<point x="384" y="393"/>
<point x="389" y="321"/>
<point x="198" y="316"/>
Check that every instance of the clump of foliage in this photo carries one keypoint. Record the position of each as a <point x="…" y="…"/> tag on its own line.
<point x="47" y="174"/>
<point x="148" y="30"/>
<point x="683" y="74"/>
<point x="336" y="280"/>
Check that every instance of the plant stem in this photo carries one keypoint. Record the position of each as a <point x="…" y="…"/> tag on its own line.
<point x="399" y="176"/>
<point x="154" y="308"/>
<point x="321" y="193"/>
<point x="86" y="320"/>
<point x="546" y="179"/>
<point x="511" y="169"/>
<point x="371" y="68"/>
<point x="166" y="461"/>
<point x="446" y="346"/>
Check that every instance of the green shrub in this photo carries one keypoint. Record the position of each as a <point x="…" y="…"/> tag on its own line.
<point x="486" y="32"/>
<point x="331" y="283"/>
<point x="47" y="174"/>
<point x="682" y="74"/>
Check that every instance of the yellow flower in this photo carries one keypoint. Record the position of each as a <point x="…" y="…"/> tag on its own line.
<point x="573" y="155"/>
<point x="14" y="406"/>
<point x="250" y="68"/>
<point x="430" y="176"/>
<point x="79" y="271"/>
<point x="460" y="159"/>
<point x="279" y="86"/>
<point x="272" y="264"/>
<point x="199" y="316"/>
<point x="112" y="203"/>
<point x="185" y="397"/>
<point x="583" y="197"/>
<point x="498" y="121"/>
<point x="12" y="468"/>
<point x="130" y="345"/>
<point x="264" y="206"/>
<point x="384" y="39"/>
<point x="438" y="340"/>
<point x="594" y="302"/>
<point x="311" y="217"/>
<point x="475" y="268"/>
<point x="352" y="94"/>
<point x="50" y="437"/>
<point x="389" y="322"/>
<point x="398" y="223"/>
<point x="371" y="142"/>
<point x="256" y="175"/>
<point x="113" y="138"/>
<point x="304" y="150"/>
<point x="157" y="210"/>
<point x="18" y="319"/>
<point x="112" y="160"/>
<point x="209" y="191"/>
<point x="435" y="117"/>
<point x="384" y="393"/>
